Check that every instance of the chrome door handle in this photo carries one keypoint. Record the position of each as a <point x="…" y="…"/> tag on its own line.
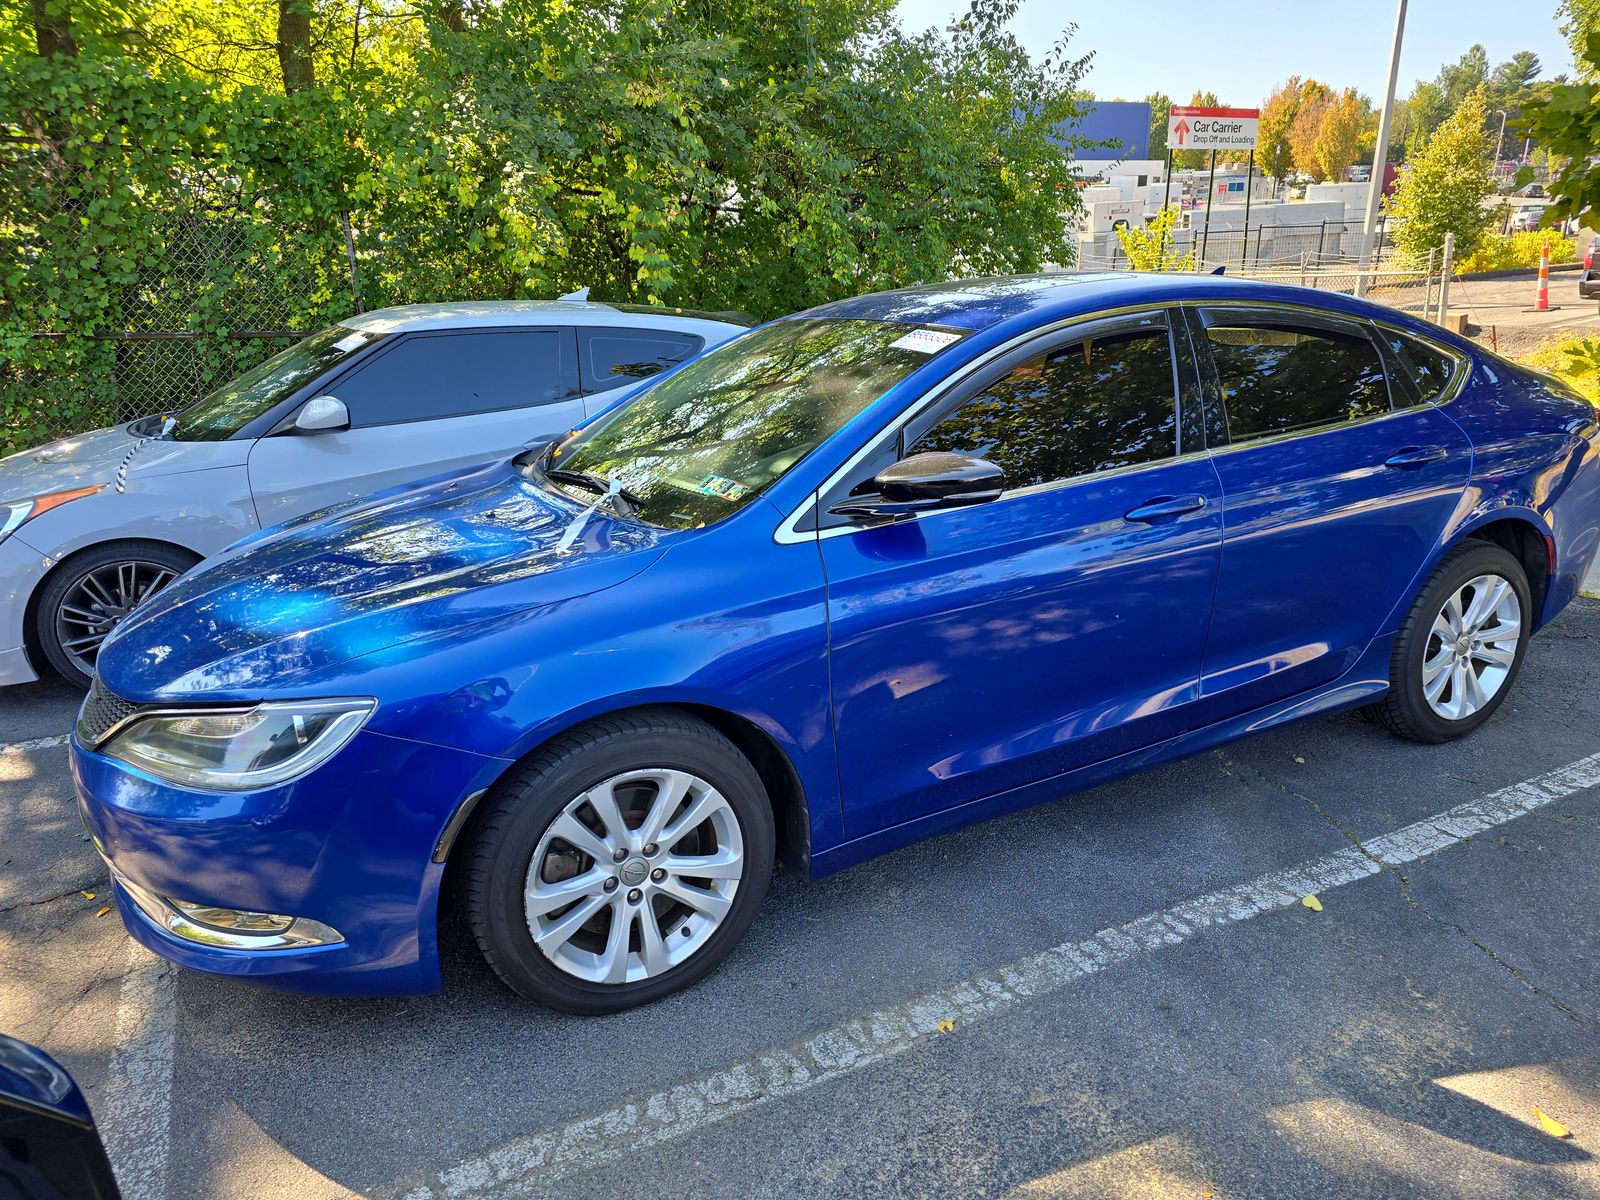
<point x="1413" y="457"/>
<point x="1165" y="508"/>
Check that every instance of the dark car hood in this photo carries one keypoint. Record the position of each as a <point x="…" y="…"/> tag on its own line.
<point x="308" y="595"/>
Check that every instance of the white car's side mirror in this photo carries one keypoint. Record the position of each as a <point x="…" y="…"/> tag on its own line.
<point x="321" y="413"/>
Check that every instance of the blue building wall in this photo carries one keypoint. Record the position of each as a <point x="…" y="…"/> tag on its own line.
<point x="1125" y="123"/>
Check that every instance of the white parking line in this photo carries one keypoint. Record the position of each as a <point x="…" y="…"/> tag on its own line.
<point x="135" y="1113"/>
<point x="43" y="743"/>
<point x="530" y="1165"/>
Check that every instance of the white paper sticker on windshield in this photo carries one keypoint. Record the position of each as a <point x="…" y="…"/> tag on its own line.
<point x="925" y="341"/>
<point x="354" y="342"/>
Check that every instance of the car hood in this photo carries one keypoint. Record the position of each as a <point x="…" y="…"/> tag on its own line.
<point x="476" y="547"/>
<point x="86" y="459"/>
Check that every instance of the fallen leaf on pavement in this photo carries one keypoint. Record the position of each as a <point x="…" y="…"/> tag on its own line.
<point x="1312" y="903"/>
<point x="947" y="1026"/>
<point x="1552" y="1126"/>
<point x="88" y="895"/>
<point x="1298" y="759"/>
<point x="102" y="912"/>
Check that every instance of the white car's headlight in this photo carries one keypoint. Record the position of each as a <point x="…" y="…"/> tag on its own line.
<point x="239" y="749"/>
<point x="17" y="512"/>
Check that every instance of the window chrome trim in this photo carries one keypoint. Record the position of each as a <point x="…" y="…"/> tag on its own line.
<point x="788" y="532"/>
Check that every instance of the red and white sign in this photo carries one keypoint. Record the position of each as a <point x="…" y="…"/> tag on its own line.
<point x="1191" y="127"/>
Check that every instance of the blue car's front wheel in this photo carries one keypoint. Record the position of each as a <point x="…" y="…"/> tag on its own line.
<point x="621" y="863"/>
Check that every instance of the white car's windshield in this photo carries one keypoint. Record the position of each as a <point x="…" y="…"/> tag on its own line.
<point x="705" y="441"/>
<point x="234" y="405"/>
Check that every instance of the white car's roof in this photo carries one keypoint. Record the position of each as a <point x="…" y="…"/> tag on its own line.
<point x="468" y="314"/>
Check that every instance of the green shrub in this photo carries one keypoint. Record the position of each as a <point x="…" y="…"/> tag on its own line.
<point x="1506" y="252"/>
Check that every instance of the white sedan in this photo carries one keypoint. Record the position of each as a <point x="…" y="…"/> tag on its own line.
<point x="91" y="525"/>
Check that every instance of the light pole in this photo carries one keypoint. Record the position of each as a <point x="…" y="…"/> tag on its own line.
<point x="1380" y="156"/>
<point x="1499" y="141"/>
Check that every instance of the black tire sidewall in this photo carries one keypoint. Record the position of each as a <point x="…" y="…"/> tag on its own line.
<point x="66" y="576"/>
<point x="528" y="805"/>
<point x="1483" y="558"/>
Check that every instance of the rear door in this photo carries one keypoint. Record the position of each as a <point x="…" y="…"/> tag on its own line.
<point x="430" y="402"/>
<point x="1337" y="482"/>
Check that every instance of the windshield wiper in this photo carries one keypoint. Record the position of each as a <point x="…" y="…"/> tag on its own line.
<point x="595" y="483"/>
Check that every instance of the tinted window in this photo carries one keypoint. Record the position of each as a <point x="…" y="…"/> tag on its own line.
<point x="1092" y="406"/>
<point x="1279" y="378"/>
<point x="1424" y="371"/>
<point x="235" y="404"/>
<point x="707" y="440"/>
<point x="613" y="357"/>
<point x="449" y="374"/>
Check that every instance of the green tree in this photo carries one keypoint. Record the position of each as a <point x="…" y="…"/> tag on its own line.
<point x="1579" y="19"/>
<point x="1445" y="189"/>
<point x="1160" y="108"/>
<point x="1566" y="124"/>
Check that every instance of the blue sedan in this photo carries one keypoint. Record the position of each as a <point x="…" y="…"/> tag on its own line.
<point x="868" y="573"/>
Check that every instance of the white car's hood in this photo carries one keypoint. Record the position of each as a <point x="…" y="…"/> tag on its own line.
<point x="86" y="459"/>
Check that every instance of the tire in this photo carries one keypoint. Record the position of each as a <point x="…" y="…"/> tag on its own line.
<point x="1468" y="576"/>
<point x="105" y="582"/>
<point x="516" y="849"/>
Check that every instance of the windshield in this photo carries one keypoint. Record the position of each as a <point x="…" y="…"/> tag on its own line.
<point x="235" y="404"/>
<point x="705" y="441"/>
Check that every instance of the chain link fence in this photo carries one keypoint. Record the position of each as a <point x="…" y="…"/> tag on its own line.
<point x="210" y="281"/>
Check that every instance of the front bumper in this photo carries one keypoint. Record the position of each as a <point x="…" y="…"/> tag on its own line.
<point x="349" y="845"/>
<point x="21" y="569"/>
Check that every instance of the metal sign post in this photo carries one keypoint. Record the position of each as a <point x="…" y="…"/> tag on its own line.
<point x="1205" y="233"/>
<point x="1166" y="199"/>
<point x="1249" y="186"/>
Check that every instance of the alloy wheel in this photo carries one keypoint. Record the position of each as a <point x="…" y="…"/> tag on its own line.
<point x="98" y="601"/>
<point x="634" y="876"/>
<point x="1472" y="647"/>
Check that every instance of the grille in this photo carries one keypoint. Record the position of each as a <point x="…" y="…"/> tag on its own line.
<point x="101" y="711"/>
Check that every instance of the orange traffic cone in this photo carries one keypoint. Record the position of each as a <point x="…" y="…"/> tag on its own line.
<point x="1542" y="304"/>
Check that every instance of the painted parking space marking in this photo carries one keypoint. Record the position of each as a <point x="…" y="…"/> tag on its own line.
<point x="532" y="1165"/>
<point x="40" y="743"/>
<point x="135" y="1112"/>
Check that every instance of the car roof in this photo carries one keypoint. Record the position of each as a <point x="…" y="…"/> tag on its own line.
<point x="1027" y="300"/>
<point x="477" y="314"/>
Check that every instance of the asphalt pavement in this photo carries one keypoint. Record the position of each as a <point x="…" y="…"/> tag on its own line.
<point x="1115" y="994"/>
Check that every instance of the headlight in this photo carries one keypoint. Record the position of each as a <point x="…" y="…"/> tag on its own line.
<point x="240" y="749"/>
<point x="15" y="513"/>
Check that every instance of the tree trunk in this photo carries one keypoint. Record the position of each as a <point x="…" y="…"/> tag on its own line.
<point x="294" y="45"/>
<point x="52" y="28"/>
<point x="451" y="15"/>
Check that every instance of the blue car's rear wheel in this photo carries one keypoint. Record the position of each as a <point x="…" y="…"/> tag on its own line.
<point x="621" y="863"/>
<point x="1461" y="645"/>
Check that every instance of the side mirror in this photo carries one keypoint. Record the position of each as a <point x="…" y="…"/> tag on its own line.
<point x="49" y="1149"/>
<point x="321" y="413"/>
<point x="920" y="482"/>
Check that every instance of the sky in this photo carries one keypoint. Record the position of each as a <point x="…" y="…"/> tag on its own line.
<point x="1242" y="49"/>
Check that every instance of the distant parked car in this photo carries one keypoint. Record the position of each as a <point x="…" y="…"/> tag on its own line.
<point x="1525" y="220"/>
<point x="1534" y="191"/>
<point x="1588" y="283"/>
<point x="91" y="525"/>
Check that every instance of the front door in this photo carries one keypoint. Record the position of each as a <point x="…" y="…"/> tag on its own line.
<point x="976" y="650"/>
<point x="430" y="403"/>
